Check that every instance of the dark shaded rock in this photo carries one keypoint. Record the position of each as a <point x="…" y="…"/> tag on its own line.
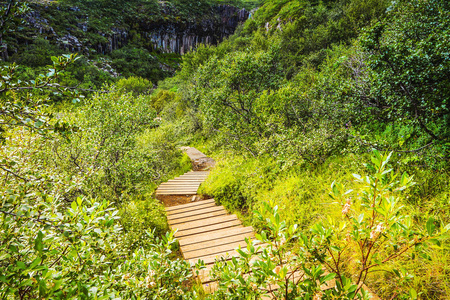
<point x="164" y="36"/>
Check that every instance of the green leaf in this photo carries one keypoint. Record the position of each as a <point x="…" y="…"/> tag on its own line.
<point x="413" y="294"/>
<point x="360" y="218"/>
<point x="430" y="226"/>
<point x="21" y="265"/>
<point x="73" y="205"/>
<point x="328" y="277"/>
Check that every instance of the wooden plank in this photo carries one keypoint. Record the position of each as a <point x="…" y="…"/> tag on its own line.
<point x="181" y="179"/>
<point x="196" y="181"/>
<point x="179" y="184"/>
<point x="176" y="188"/>
<point x="195" y="173"/>
<point x="198" y="230"/>
<point x="192" y="209"/>
<point x="213" y="235"/>
<point x="181" y="193"/>
<point x="177" y="211"/>
<point x="182" y="183"/>
<point x="177" y="191"/>
<point x="210" y="259"/>
<point x="192" y="204"/>
<point x="188" y="178"/>
<point x="191" y="177"/>
<point x="199" y="217"/>
<point x="217" y="242"/>
<point x="181" y="188"/>
<point x="213" y="250"/>
<point x="204" y="222"/>
<point x="195" y="212"/>
<point x="192" y="182"/>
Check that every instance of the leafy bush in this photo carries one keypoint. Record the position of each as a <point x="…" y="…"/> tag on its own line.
<point x="104" y="150"/>
<point x="60" y="239"/>
<point x="135" y="85"/>
<point x="138" y="215"/>
<point x="409" y="52"/>
<point x="38" y="54"/>
<point x="139" y="62"/>
<point x="163" y="99"/>
<point x="372" y="223"/>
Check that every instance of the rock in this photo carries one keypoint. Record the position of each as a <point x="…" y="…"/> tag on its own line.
<point x="165" y="36"/>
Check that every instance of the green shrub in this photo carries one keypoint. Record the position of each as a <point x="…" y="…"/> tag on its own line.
<point x="135" y="85"/>
<point x="37" y="54"/>
<point x="163" y="99"/>
<point x="138" y="216"/>
<point x="139" y="62"/>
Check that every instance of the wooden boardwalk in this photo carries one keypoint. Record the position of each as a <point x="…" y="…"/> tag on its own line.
<point x="186" y="184"/>
<point x="205" y="231"/>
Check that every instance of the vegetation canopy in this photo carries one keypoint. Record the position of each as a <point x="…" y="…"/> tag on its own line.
<point x="328" y="120"/>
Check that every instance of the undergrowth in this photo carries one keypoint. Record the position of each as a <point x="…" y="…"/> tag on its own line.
<point x="243" y="184"/>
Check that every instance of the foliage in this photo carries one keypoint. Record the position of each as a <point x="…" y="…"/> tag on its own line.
<point x="104" y="150"/>
<point x="60" y="239"/>
<point x="137" y="62"/>
<point x="18" y="108"/>
<point x="226" y="91"/>
<point x="45" y="255"/>
<point x="155" y="274"/>
<point x="38" y="54"/>
<point x="372" y="223"/>
<point x="135" y="85"/>
<point x="163" y="98"/>
<point x="10" y="19"/>
<point x="409" y="52"/>
<point x="137" y="216"/>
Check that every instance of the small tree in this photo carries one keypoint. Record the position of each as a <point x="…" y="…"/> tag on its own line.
<point x="371" y="232"/>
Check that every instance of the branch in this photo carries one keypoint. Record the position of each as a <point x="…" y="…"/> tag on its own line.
<point x="392" y="256"/>
<point x="11" y="172"/>
<point x="44" y="222"/>
<point x="237" y="139"/>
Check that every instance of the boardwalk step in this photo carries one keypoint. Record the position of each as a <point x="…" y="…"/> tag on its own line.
<point x="218" y="242"/>
<point x="188" y="205"/>
<point x="210" y="228"/>
<point x="213" y="236"/>
<point x="201" y="211"/>
<point x="198" y="217"/>
<point x="204" y="222"/>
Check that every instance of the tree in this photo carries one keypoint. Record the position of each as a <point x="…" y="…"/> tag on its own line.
<point x="10" y="17"/>
<point x="409" y="52"/>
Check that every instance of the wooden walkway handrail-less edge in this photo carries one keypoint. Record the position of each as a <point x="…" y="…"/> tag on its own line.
<point x="205" y="231"/>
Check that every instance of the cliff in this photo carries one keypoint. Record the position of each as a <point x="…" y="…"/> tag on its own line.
<point x="161" y="29"/>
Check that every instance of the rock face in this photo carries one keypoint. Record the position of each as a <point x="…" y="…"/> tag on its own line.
<point x="183" y="37"/>
<point x="163" y="36"/>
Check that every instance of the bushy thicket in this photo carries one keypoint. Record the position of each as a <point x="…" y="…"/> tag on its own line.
<point x="77" y="215"/>
<point x="291" y="103"/>
<point x="304" y="89"/>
